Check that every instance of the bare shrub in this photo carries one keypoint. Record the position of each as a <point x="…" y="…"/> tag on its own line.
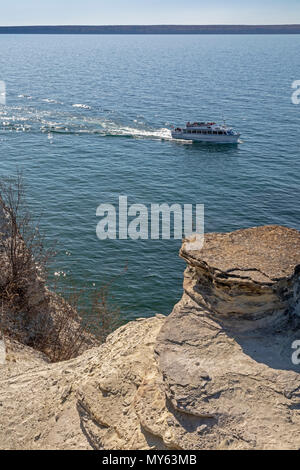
<point x="57" y="323"/>
<point x="22" y="246"/>
<point x="104" y="317"/>
<point x="24" y="260"/>
<point x="84" y="317"/>
<point x="63" y="334"/>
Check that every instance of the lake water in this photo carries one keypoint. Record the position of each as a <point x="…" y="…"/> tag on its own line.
<point x="128" y="91"/>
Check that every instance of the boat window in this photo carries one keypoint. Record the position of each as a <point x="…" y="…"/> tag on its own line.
<point x="215" y="132"/>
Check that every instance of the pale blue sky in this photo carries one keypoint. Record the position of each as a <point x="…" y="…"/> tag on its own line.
<point x="91" y="12"/>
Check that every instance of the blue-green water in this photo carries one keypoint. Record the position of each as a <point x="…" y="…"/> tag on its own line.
<point x="132" y="89"/>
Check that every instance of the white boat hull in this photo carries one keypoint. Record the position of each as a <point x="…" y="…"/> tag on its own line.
<point x="216" y="139"/>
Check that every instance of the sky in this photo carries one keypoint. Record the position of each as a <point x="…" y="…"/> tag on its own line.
<point x="108" y="12"/>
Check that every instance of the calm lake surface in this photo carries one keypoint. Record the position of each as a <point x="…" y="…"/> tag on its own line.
<point x="128" y="90"/>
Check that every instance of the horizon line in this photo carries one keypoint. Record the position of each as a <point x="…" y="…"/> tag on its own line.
<point x="164" y="29"/>
<point x="147" y="25"/>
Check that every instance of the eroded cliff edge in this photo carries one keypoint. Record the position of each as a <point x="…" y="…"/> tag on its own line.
<point x="217" y="373"/>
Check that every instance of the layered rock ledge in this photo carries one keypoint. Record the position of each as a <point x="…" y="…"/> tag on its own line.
<point x="225" y="352"/>
<point x="217" y="373"/>
<point x="248" y="274"/>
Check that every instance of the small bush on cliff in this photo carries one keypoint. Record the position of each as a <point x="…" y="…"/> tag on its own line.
<point x="21" y="244"/>
<point x="30" y="313"/>
<point x="24" y="258"/>
<point x="83" y="318"/>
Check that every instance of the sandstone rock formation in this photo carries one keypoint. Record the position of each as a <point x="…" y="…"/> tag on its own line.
<point x="85" y="403"/>
<point x="216" y="374"/>
<point x="225" y="351"/>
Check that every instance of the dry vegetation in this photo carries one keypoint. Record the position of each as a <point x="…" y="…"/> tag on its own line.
<point x="30" y="313"/>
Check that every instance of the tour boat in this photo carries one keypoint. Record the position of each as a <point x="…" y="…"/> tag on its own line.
<point x="206" y="132"/>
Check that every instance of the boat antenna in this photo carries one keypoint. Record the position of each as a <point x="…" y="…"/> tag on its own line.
<point x="224" y="120"/>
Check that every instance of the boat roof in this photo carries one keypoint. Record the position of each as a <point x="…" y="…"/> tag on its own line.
<point x="208" y="125"/>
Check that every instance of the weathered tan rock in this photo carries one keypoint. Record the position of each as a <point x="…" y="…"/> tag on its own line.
<point x="85" y="403"/>
<point x="225" y="352"/>
<point x="251" y="273"/>
<point x="216" y="374"/>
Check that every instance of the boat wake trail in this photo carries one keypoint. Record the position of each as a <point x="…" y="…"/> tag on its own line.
<point x="74" y="121"/>
<point x="111" y="130"/>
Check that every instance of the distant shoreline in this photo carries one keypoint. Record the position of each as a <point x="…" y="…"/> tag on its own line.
<point x="154" y="29"/>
